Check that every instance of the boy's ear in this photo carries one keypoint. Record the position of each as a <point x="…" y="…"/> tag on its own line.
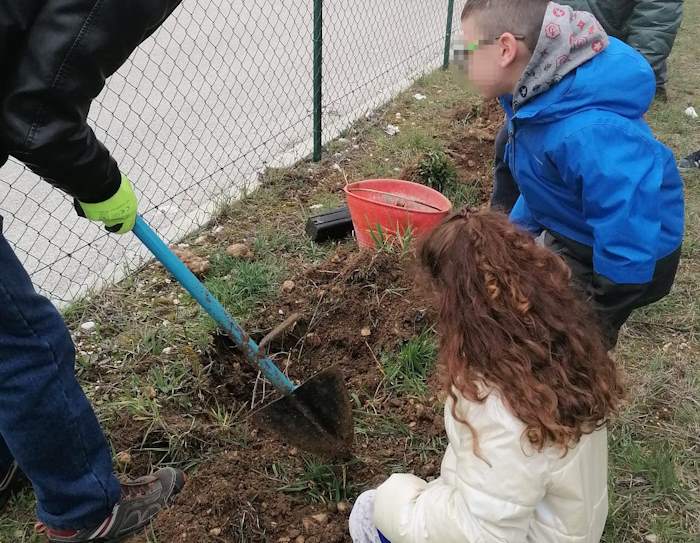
<point x="510" y="49"/>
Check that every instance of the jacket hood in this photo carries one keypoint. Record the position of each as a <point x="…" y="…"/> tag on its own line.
<point x="576" y="67"/>
<point x="567" y="40"/>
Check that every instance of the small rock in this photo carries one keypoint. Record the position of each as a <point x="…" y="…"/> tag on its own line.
<point x="316" y="206"/>
<point x="651" y="538"/>
<point x="88" y="326"/>
<point x="307" y="524"/>
<point x="300" y="539"/>
<point x="167" y="350"/>
<point x="313" y="339"/>
<point x="337" y="167"/>
<point x="365" y="332"/>
<point x="293" y="451"/>
<point x="150" y="392"/>
<point x="123" y="458"/>
<point x="332" y="507"/>
<point x="392" y="129"/>
<point x="239" y="250"/>
<point x="321" y="518"/>
<point x="218" y="229"/>
<point x="398" y="115"/>
<point x="216" y="532"/>
<point x="418" y="96"/>
<point x="201" y="240"/>
<point x="284" y="540"/>
<point x="288" y="286"/>
<point x="343" y="507"/>
<point x="196" y="264"/>
<point x="690" y="112"/>
<point x="471" y="163"/>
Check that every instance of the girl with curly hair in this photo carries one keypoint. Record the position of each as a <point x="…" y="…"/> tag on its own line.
<point x="529" y="387"/>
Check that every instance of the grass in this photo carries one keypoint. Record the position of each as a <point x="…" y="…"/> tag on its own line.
<point x="437" y="171"/>
<point x="407" y="370"/>
<point x="240" y="285"/>
<point x="391" y="243"/>
<point x="318" y="482"/>
<point x="371" y="423"/>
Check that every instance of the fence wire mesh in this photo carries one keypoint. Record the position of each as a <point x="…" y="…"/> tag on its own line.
<point x="220" y="92"/>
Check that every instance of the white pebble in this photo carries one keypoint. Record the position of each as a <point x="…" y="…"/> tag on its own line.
<point x="88" y="326"/>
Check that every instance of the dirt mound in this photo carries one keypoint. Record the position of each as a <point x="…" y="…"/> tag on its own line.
<point x="354" y="307"/>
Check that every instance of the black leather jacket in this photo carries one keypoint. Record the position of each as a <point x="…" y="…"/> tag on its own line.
<point x="54" y="58"/>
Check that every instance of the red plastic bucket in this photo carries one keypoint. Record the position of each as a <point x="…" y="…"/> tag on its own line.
<point x="391" y="207"/>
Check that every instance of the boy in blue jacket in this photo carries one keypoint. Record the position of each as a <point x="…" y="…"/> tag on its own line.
<point x="595" y="184"/>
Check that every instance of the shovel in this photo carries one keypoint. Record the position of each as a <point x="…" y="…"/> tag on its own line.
<point x="315" y="416"/>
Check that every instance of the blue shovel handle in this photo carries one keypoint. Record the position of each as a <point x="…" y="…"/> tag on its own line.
<point x="211" y="305"/>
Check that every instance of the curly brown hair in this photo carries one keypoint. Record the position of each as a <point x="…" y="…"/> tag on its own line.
<point x="509" y="318"/>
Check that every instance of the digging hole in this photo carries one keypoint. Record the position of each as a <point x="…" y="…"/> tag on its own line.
<point x="232" y="376"/>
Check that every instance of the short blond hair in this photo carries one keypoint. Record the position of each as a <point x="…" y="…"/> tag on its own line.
<point x="519" y="17"/>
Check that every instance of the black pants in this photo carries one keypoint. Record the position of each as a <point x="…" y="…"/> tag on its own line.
<point x="612" y="302"/>
<point x="505" y="189"/>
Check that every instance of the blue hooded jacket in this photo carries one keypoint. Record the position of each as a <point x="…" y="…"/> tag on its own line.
<point x="589" y="168"/>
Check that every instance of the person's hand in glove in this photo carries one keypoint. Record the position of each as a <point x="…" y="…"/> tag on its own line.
<point x="117" y="213"/>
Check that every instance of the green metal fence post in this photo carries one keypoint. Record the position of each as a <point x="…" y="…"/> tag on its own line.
<point x="318" y="73"/>
<point x="448" y="34"/>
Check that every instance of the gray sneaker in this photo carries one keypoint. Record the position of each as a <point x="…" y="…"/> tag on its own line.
<point x="141" y="501"/>
<point x="691" y="161"/>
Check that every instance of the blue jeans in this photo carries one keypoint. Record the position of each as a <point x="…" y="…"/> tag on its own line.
<point x="46" y="422"/>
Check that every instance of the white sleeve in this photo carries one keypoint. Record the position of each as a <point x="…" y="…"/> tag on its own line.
<point x="472" y="501"/>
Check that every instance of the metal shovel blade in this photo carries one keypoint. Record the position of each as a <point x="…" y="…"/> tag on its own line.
<point x="316" y="417"/>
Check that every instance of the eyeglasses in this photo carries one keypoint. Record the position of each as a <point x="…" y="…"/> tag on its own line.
<point x="463" y="49"/>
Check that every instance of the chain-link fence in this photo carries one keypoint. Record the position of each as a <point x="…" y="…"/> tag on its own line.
<point x="223" y="90"/>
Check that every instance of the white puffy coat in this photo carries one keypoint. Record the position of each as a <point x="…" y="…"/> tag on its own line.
<point x="521" y="497"/>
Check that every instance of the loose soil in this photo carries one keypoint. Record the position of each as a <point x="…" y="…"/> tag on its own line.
<point x="236" y="496"/>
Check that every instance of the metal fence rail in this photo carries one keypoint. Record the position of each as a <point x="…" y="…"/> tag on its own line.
<point x="223" y="90"/>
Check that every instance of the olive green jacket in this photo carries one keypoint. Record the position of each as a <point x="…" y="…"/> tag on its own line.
<point x="650" y="26"/>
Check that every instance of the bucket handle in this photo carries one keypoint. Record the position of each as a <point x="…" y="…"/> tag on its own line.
<point x="374" y="191"/>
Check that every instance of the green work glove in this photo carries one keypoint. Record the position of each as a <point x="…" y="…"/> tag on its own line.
<point x="117" y="213"/>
